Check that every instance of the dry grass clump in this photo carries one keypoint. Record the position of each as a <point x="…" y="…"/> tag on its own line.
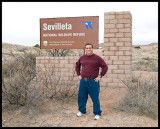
<point x="25" y="88"/>
<point x="21" y="85"/>
<point x="54" y="84"/>
<point x="145" y="58"/>
<point x="142" y="98"/>
<point x="137" y="47"/>
<point x="145" y="64"/>
<point x="16" y="76"/>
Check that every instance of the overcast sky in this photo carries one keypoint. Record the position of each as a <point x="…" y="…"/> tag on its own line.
<point x="21" y="20"/>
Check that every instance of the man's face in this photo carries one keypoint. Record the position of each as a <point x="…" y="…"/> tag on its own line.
<point x="89" y="50"/>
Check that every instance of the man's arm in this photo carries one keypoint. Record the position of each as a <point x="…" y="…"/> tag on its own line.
<point x="104" y="67"/>
<point x="78" y="68"/>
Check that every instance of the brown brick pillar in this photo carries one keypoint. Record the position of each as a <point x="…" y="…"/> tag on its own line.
<point x="118" y="46"/>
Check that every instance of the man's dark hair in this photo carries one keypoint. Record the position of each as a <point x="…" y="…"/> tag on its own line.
<point x="88" y="44"/>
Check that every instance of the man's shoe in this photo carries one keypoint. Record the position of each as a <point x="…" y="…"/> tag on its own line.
<point x="97" y="117"/>
<point x="79" y="114"/>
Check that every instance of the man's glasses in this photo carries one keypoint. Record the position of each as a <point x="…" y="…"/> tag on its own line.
<point x="89" y="48"/>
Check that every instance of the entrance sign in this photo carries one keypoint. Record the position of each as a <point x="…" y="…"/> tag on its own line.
<point x="69" y="32"/>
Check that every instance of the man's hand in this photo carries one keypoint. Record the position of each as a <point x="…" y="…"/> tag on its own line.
<point x="79" y="77"/>
<point x="97" y="79"/>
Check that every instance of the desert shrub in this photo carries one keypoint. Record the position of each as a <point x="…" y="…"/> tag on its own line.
<point x="137" y="47"/>
<point x="142" y="98"/>
<point x="37" y="45"/>
<point x="16" y="75"/>
<point x="28" y="90"/>
<point x="21" y="85"/>
<point x="56" y="84"/>
<point x="145" y="64"/>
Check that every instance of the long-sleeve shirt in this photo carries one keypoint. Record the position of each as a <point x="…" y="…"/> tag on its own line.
<point x="90" y="66"/>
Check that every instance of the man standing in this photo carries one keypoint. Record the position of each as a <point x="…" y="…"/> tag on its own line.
<point x="89" y="80"/>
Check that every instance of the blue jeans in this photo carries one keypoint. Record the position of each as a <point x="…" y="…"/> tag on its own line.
<point x="92" y="88"/>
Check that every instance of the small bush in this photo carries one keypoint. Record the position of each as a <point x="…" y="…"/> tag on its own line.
<point x="137" y="47"/>
<point x="55" y="84"/>
<point x="142" y="98"/>
<point x="16" y="76"/>
<point x="23" y="85"/>
<point x="37" y="45"/>
<point x="145" y="64"/>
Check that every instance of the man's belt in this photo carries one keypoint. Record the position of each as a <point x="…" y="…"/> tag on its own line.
<point x="88" y="78"/>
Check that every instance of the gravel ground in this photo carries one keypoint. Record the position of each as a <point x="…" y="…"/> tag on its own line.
<point x="55" y="113"/>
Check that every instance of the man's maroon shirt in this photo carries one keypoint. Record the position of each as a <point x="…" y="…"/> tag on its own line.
<point x="90" y="66"/>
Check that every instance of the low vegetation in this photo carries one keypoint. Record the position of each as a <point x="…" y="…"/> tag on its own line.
<point x="145" y="64"/>
<point x="16" y="76"/>
<point x="137" y="47"/>
<point x="21" y="85"/>
<point x="142" y="98"/>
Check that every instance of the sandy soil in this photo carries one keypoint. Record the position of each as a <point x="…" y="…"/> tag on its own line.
<point x="56" y="113"/>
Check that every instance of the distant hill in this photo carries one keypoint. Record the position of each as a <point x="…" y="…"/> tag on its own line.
<point x="20" y="49"/>
<point x="7" y="47"/>
<point x="153" y="44"/>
